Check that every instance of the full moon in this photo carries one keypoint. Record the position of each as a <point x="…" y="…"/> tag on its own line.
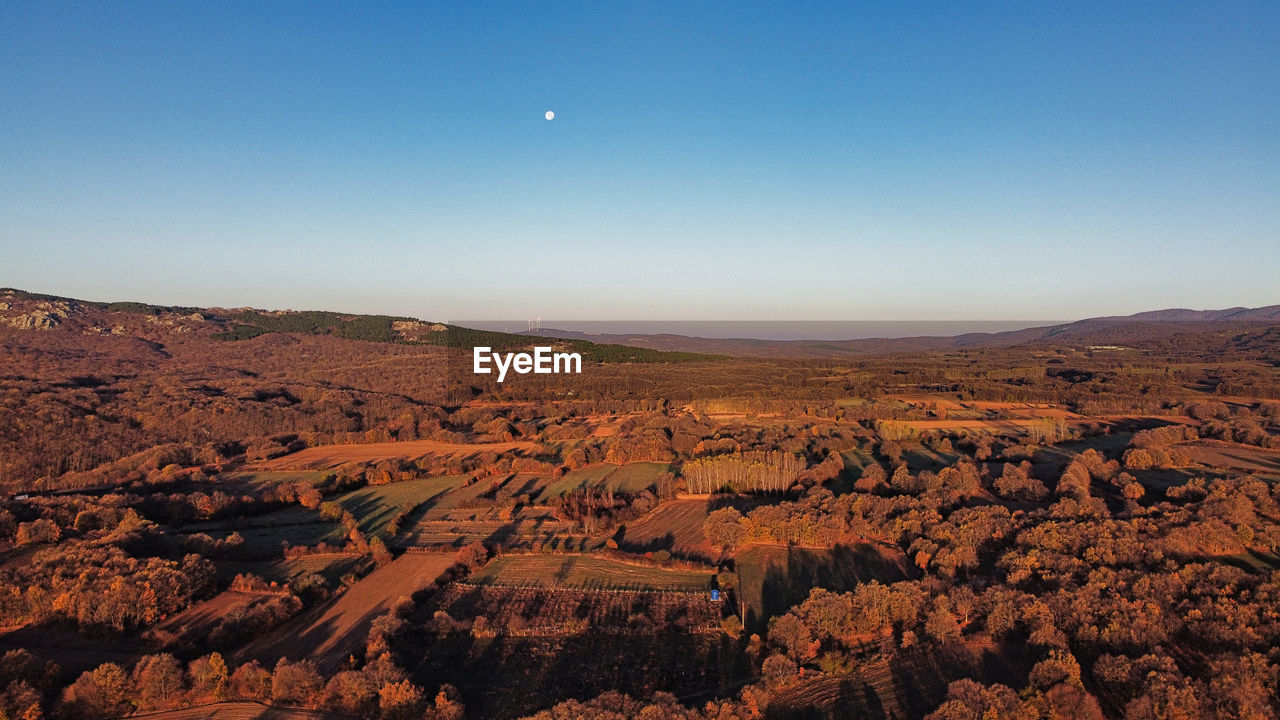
<point x="551" y="115"/>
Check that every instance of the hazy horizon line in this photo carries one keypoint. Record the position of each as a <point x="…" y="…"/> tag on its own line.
<point x="772" y="330"/>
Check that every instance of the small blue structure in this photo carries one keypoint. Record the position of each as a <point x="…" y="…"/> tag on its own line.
<point x="715" y="595"/>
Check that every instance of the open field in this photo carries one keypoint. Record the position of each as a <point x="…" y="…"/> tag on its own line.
<point x="631" y="477"/>
<point x="587" y="572"/>
<point x="1038" y="421"/>
<point x="1012" y="424"/>
<point x="772" y="578"/>
<point x="583" y="477"/>
<point x="195" y="623"/>
<point x="256" y="479"/>
<point x="507" y="677"/>
<point x="675" y="526"/>
<point x="373" y="507"/>
<point x="331" y="566"/>
<point x="331" y="456"/>
<point x="1246" y="459"/>
<point x="265" y="536"/>
<point x="524" y="531"/>
<point x="541" y="611"/>
<point x="459" y="494"/>
<point x="331" y="631"/>
<point x="634" y="477"/>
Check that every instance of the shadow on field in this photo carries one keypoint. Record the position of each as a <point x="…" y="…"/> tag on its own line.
<point x="909" y="684"/>
<point x="838" y="570"/>
<point x="507" y="677"/>
<point x="662" y="542"/>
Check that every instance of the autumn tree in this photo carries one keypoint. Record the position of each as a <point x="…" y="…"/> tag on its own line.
<point x="400" y="701"/>
<point x="296" y="683"/>
<point x="724" y="529"/>
<point x="104" y="692"/>
<point x="208" y="678"/>
<point x="158" y="679"/>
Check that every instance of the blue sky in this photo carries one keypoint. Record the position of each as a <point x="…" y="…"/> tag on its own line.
<point x="707" y="161"/>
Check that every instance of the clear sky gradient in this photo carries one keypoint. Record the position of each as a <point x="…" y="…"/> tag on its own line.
<point x="707" y="161"/>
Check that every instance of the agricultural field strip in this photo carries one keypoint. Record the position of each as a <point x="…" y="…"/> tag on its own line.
<point x="542" y="611"/>
<point x="588" y="572"/>
<point x="331" y="456"/>
<point x="627" y="477"/>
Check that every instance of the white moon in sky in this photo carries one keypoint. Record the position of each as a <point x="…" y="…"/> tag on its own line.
<point x="551" y="115"/>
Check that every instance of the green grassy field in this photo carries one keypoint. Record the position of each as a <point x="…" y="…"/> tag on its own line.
<point x="632" y="477"/>
<point x="588" y="476"/>
<point x="586" y="572"/>
<point x="375" y="505"/>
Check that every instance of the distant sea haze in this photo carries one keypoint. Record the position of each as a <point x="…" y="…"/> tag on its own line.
<point x="765" y="330"/>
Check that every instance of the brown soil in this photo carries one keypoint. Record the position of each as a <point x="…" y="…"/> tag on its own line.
<point x="1248" y="459"/>
<point x="330" y="632"/>
<point x="675" y="526"/>
<point x="198" y="620"/>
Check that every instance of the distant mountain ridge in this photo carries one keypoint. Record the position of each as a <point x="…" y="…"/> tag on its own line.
<point x="1270" y="312"/>
<point x="1109" y="330"/>
<point x="26" y="311"/>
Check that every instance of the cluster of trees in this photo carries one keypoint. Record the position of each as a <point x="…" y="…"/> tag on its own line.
<point x="243" y="623"/>
<point x="599" y="508"/>
<point x="88" y="411"/>
<point x="24" y="682"/>
<point x="619" y="706"/>
<point x="380" y="690"/>
<point x="1018" y="482"/>
<point x="100" y="586"/>
<point x="1077" y="582"/>
<point x="753" y="471"/>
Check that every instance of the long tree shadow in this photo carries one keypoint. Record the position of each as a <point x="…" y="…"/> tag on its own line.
<point x="839" y="569"/>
